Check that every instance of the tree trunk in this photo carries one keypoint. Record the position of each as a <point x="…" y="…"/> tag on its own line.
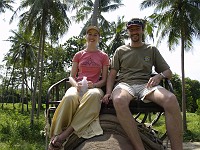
<point x="23" y="79"/>
<point x="41" y="76"/>
<point x="183" y="86"/>
<point x="95" y="13"/>
<point x="37" y="70"/>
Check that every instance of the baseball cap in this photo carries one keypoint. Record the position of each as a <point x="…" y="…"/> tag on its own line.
<point x="135" y="21"/>
<point x="94" y="28"/>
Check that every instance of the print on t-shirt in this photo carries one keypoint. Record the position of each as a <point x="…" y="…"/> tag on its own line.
<point x="89" y="62"/>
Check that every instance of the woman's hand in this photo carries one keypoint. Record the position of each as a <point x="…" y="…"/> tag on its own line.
<point x="78" y="86"/>
<point x="90" y="85"/>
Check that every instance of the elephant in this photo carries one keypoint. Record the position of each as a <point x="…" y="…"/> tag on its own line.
<point x="114" y="137"/>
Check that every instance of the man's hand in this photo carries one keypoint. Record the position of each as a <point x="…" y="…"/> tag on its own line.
<point x="106" y="98"/>
<point x="153" y="81"/>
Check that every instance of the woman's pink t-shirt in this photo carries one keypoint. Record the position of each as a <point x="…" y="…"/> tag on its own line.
<point x="90" y="64"/>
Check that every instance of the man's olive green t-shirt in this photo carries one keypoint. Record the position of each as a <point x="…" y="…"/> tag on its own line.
<point x="134" y="64"/>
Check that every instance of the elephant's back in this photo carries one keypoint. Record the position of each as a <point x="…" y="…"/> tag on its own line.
<point x="113" y="138"/>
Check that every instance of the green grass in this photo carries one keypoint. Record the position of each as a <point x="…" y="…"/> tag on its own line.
<point x="193" y="127"/>
<point x="16" y="133"/>
<point x="15" y="130"/>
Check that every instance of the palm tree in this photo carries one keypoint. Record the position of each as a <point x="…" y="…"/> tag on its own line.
<point x="179" y="21"/>
<point x="89" y="10"/>
<point x="21" y="56"/>
<point x="95" y="13"/>
<point x="5" y="4"/>
<point x="45" y="19"/>
<point x="118" y="34"/>
<point x="116" y="37"/>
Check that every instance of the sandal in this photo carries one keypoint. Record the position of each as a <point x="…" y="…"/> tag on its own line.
<point x="56" y="143"/>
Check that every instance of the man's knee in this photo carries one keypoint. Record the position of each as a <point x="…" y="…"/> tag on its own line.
<point x="170" y="101"/>
<point x="120" y="103"/>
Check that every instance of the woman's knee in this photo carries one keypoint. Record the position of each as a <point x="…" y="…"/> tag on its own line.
<point x="70" y="98"/>
<point x="94" y="94"/>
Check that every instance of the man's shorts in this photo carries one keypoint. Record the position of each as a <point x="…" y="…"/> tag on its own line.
<point x="137" y="90"/>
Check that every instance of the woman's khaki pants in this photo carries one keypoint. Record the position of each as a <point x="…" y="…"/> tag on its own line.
<point x="82" y="113"/>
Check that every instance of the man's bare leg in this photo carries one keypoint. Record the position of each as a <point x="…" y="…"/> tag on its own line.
<point x="174" y="125"/>
<point x="121" y="100"/>
<point x="173" y="116"/>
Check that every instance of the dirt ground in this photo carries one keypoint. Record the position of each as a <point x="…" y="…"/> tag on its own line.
<point x="189" y="146"/>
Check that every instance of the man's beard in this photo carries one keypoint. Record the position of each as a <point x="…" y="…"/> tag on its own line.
<point x="135" y="38"/>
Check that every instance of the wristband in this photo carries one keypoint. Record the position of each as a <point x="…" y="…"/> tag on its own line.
<point x="162" y="75"/>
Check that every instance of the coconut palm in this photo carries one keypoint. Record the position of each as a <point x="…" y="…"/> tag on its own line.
<point x="116" y="37"/>
<point x="118" y="34"/>
<point x="46" y="19"/>
<point x="95" y="13"/>
<point x="88" y="11"/>
<point x="21" y="57"/>
<point x="5" y="4"/>
<point x="179" y="21"/>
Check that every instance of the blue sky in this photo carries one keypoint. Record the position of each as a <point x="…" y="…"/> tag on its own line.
<point x="130" y="10"/>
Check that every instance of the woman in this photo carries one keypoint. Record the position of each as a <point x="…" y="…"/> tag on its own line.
<point x="80" y="114"/>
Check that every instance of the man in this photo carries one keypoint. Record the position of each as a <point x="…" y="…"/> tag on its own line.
<point x="133" y="64"/>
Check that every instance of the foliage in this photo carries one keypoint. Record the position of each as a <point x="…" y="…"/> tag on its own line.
<point x="58" y="61"/>
<point x="46" y="20"/>
<point x="85" y="10"/>
<point x="15" y="131"/>
<point x="168" y="15"/>
<point x="54" y="62"/>
<point x="5" y="4"/>
<point x="192" y="92"/>
<point x="21" y="58"/>
<point x="193" y="132"/>
<point x="16" y="134"/>
<point x="176" y="82"/>
<point x="115" y="38"/>
<point x="10" y="94"/>
<point x="57" y="58"/>
<point x="71" y="46"/>
<point x="198" y="109"/>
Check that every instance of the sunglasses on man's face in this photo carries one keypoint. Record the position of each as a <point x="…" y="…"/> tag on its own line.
<point x="135" y="22"/>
